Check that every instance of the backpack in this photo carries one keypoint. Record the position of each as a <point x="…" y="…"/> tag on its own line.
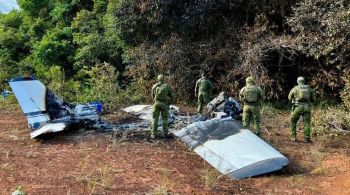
<point x="161" y="92"/>
<point x="204" y="85"/>
<point x="303" y="93"/>
<point x="250" y="94"/>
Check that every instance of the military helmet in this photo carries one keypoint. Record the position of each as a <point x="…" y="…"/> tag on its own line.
<point x="160" y="78"/>
<point x="250" y="80"/>
<point x="301" y="80"/>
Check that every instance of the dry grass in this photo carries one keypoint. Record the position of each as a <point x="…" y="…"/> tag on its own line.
<point x="210" y="177"/>
<point x="165" y="183"/>
<point x="94" y="177"/>
<point x="297" y="180"/>
<point x="107" y="175"/>
<point x="161" y="189"/>
<point x="7" y="167"/>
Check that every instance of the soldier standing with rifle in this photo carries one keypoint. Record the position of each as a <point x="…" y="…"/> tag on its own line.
<point x="252" y="97"/>
<point x="301" y="96"/>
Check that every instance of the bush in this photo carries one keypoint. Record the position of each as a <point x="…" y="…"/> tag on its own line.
<point x="345" y="93"/>
<point x="55" y="80"/>
<point x="268" y="110"/>
<point x="9" y="103"/>
<point x="103" y="85"/>
<point x="132" y="95"/>
<point x="99" y="83"/>
<point x="331" y="121"/>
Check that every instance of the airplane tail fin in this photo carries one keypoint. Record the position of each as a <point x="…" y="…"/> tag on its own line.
<point x="31" y="94"/>
<point x="38" y="103"/>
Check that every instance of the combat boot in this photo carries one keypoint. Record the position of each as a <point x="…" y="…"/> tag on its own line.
<point x="169" y="136"/>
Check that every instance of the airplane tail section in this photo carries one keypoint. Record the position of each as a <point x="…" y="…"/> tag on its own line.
<point x="31" y="94"/>
<point x="48" y="113"/>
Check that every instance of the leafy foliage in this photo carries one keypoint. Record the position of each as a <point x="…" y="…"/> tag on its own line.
<point x="103" y="84"/>
<point x="273" y="40"/>
<point x="331" y="122"/>
<point x="345" y="93"/>
<point x="321" y="31"/>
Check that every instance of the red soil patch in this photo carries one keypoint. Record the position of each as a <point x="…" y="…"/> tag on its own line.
<point x="89" y="162"/>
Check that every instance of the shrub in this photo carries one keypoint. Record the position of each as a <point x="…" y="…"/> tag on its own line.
<point x="9" y="103"/>
<point x="103" y="85"/>
<point x="345" y="93"/>
<point x="331" y="121"/>
<point x="55" y="80"/>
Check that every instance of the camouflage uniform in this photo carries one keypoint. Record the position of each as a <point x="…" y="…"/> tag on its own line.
<point x="204" y="87"/>
<point x="301" y="96"/>
<point x="252" y="97"/>
<point x="162" y="94"/>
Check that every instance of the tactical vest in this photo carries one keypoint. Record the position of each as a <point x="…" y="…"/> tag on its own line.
<point x="302" y="93"/>
<point x="161" y="93"/>
<point x="251" y="94"/>
<point x="204" y="85"/>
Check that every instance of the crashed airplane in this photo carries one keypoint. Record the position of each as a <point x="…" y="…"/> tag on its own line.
<point x="222" y="142"/>
<point x="46" y="113"/>
<point x="225" y="144"/>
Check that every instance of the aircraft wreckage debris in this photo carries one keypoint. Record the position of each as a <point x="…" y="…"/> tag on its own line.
<point x="235" y="152"/>
<point x="223" y="143"/>
<point x="47" y="113"/>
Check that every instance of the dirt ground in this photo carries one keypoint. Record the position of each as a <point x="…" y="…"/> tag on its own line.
<point x="86" y="162"/>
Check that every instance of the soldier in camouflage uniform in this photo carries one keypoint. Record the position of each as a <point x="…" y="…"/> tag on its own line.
<point x="203" y="87"/>
<point x="162" y="95"/>
<point x="301" y="96"/>
<point x="252" y="96"/>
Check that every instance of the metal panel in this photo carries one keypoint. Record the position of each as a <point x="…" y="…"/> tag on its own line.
<point x="145" y="112"/>
<point x="142" y="111"/>
<point x="31" y="97"/>
<point x="234" y="151"/>
<point x="49" y="128"/>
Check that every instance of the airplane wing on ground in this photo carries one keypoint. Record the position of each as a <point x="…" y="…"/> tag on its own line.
<point x="234" y="151"/>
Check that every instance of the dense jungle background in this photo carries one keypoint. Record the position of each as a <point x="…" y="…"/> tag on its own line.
<point x="113" y="50"/>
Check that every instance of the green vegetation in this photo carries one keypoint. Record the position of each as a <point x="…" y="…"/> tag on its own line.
<point x="332" y="121"/>
<point x="65" y="43"/>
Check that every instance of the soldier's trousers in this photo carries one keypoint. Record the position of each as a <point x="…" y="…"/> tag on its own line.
<point x="251" y="113"/>
<point x="163" y="109"/>
<point x="203" y="100"/>
<point x="303" y="110"/>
